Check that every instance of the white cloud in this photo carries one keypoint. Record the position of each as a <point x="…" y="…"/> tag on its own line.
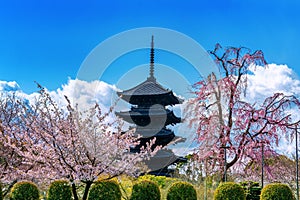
<point x="265" y="81"/>
<point x="6" y="86"/>
<point x="86" y="94"/>
<point x="9" y="87"/>
<point x="83" y="93"/>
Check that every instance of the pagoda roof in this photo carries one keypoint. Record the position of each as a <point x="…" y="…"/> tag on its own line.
<point x="151" y="90"/>
<point x="163" y="158"/>
<point x="148" y="87"/>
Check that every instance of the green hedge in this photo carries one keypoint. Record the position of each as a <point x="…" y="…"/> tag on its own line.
<point x="145" y="190"/>
<point x="182" y="190"/>
<point x="277" y="191"/>
<point x="105" y="190"/>
<point x="252" y="190"/>
<point x="229" y="191"/>
<point x="60" y="190"/>
<point x="24" y="190"/>
<point x="162" y="181"/>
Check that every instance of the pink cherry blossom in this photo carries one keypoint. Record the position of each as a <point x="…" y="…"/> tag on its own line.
<point x="44" y="142"/>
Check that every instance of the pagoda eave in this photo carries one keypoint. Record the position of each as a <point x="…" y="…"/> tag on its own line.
<point x="162" y="159"/>
<point x="148" y="132"/>
<point x="162" y="99"/>
<point x="144" y="119"/>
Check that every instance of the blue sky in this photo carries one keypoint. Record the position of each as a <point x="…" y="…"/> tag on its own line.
<point x="46" y="41"/>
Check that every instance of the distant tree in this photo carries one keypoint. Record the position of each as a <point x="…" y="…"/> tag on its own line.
<point x="225" y="120"/>
<point x="278" y="168"/>
<point x="50" y="142"/>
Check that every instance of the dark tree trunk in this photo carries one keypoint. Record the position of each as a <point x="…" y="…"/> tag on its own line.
<point x="86" y="190"/>
<point x="224" y="179"/>
<point x="74" y="191"/>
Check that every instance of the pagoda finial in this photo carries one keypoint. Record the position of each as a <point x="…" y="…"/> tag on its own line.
<point x="152" y="59"/>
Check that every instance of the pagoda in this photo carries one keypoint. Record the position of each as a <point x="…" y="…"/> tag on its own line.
<point x="150" y="116"/>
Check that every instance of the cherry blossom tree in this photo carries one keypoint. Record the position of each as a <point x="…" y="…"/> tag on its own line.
<point x="9" y="159"/>
<point x="47" y="142"/>
<point x="225" y="121"/>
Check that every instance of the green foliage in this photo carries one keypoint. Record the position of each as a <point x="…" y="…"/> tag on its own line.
<point x="1" y="194"/>
<point x="161" y="181"/>
<point x="24" y="190"/>
<point x="182" y="190"/>
<point x="60" y="190"/>
<point x="125" y="183"/>
<point x="229" y="191"/>
<point x="252" y="190"/>
<point x="214" y="180"/>
<point x="203" y="192"/>
<point x="277" y="191"/>
<point x="145" y="190"/>
<point x="105" y="190"/>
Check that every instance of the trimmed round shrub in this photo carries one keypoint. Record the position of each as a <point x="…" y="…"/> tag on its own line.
<point x="277" y="191"/>
<point x="60" y="190"/>
<point x="145" y="190"/>
<point x="105" y="190"/>
<point x="182" y="190"/>
<point x="229" y="191"/>
<point x="24" y="190"/>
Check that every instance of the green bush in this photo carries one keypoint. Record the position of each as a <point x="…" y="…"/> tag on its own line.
<point x="59" y="190"/>
<point x="161" y="181"/>
<point x="182" y="190"/>
<point x="105" y="190"/>
<point x="229" y="191"/>
<point x="145" y="190"/>
<point x="252" y="190"/>
<point x="24" y="190"/>
<point x="276" y="191"/>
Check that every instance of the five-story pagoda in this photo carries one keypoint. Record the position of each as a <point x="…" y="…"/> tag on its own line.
<point x="151" y="117"/>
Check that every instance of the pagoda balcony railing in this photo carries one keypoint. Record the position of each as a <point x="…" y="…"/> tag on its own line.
<point x="146" y="109"/>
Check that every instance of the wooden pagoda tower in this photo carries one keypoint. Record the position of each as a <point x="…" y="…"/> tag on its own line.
<point x="150" y="117"/>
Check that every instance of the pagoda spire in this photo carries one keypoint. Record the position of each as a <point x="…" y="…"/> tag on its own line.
<point x="151" y="72"/>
